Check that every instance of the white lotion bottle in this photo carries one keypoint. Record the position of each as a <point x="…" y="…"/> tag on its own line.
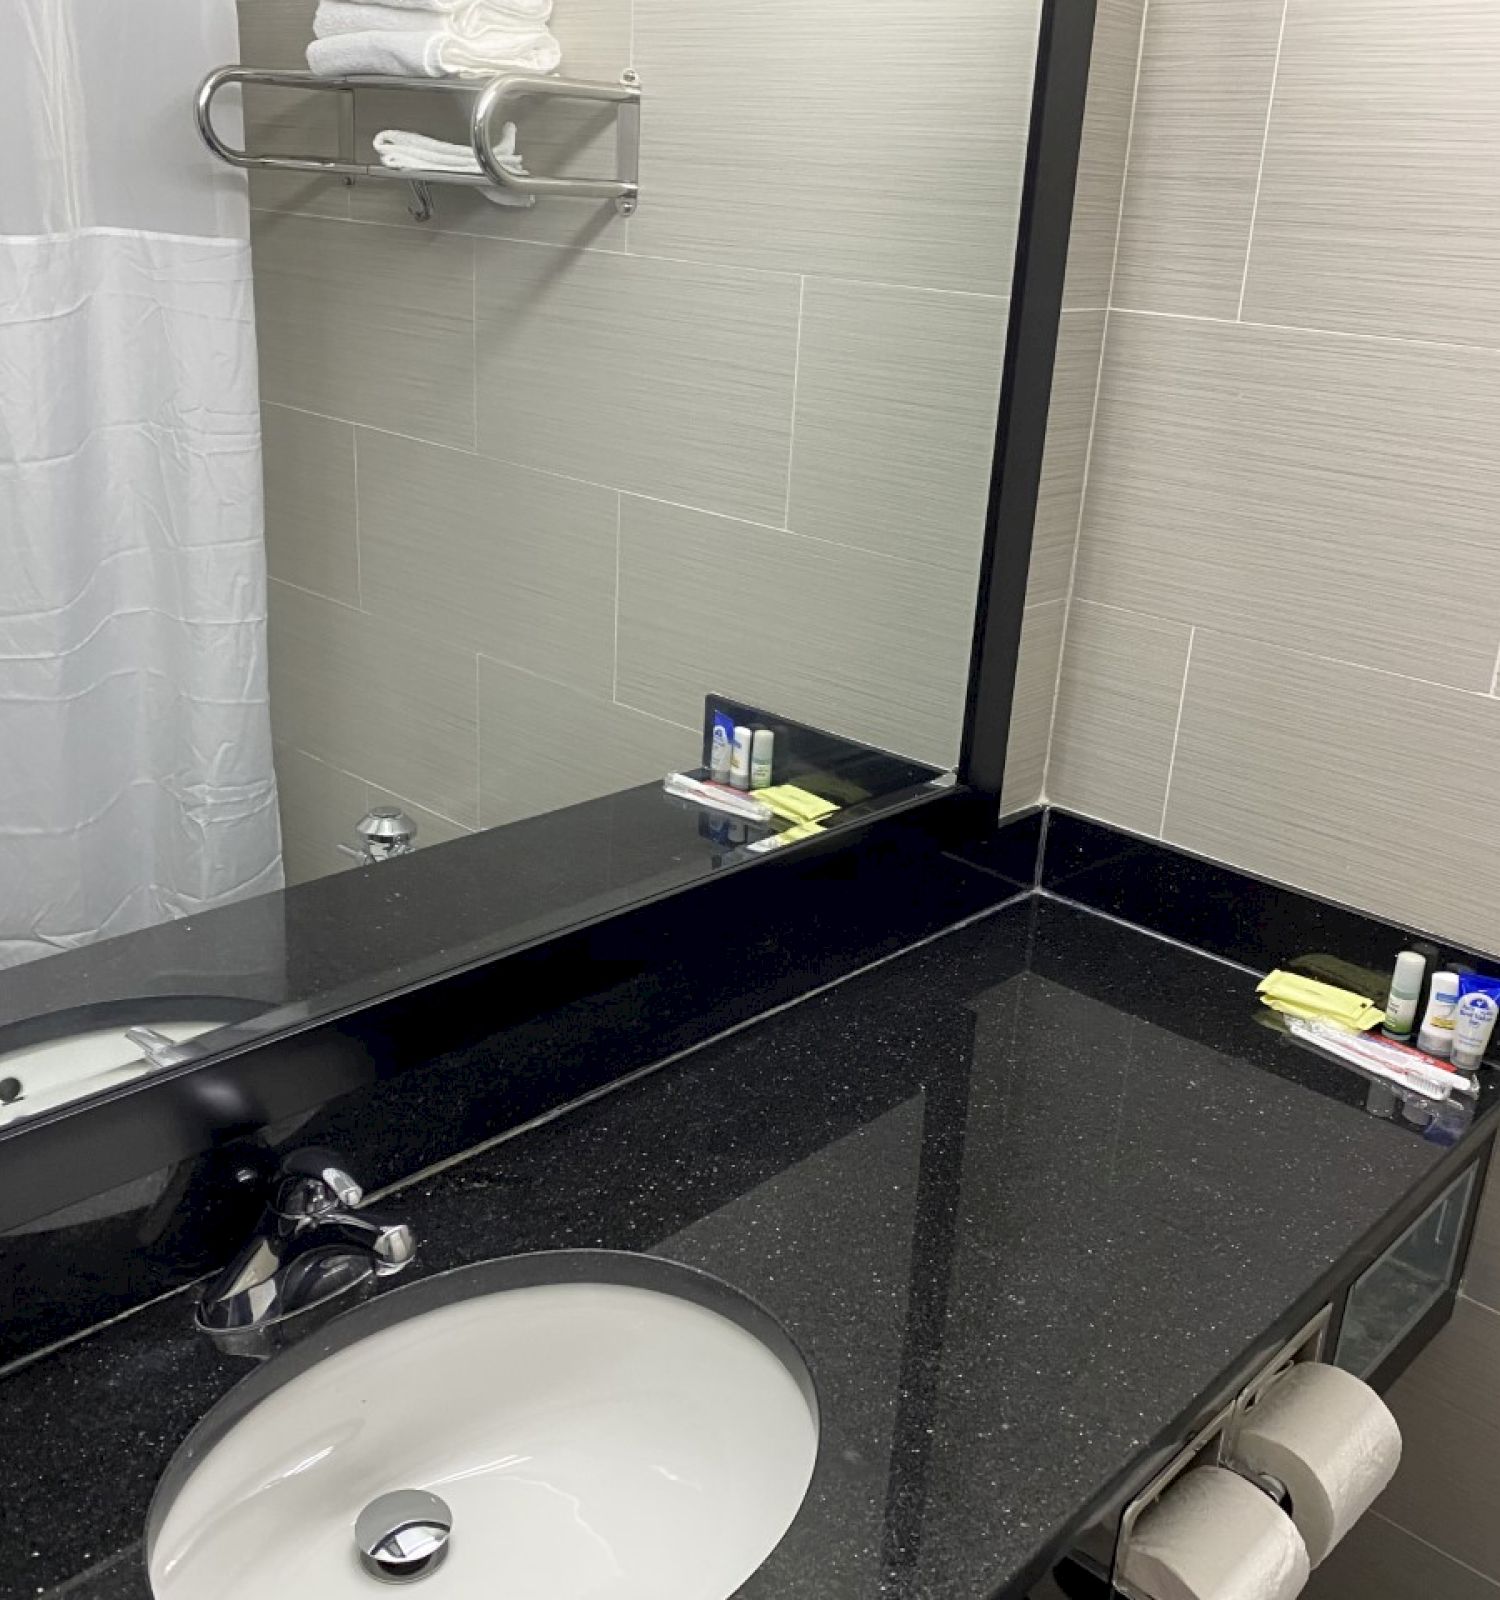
<point x="739" y="764"/>
<point x="1436" y="1035"/>
<point x="762" y="758"/>
<point x="1406" y="989"/>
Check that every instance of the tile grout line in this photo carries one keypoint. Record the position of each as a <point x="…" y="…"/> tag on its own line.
<point x="1305" y="328"/>
<point x="359" y="550"/>
<point x="371" y="783"/>
<point x="1288" y="649"/>
<point x="382" y="620"/>
<point x="1480" y="1305"/>
<point x="478" y="741"/>
<point x="1437" y="1549"/>
<point x="1161" y="832"/>
<point x="1260" y="172"/>
<point x="474" y="340"/>
<point x="593" y="696"/>
<point x="681" y="261"/>
<point x="1088" y="454"/>
<point x="791" y="437"/>
<point x="629" y="494"/>
<point x="1495" y="677"/>
<point x="614" y="683"/>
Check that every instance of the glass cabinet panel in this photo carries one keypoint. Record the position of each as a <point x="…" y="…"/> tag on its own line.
<point x="1391" y="1297"/>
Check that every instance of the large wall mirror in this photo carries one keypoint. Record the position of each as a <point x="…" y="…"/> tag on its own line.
<point x="374" y="550"/>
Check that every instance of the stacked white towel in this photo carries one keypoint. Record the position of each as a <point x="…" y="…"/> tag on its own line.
<point x="433" y="38"/>
<point x="415" y="152"/>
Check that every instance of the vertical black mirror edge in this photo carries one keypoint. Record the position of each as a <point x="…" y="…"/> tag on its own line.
<point x="1064" y="52"/>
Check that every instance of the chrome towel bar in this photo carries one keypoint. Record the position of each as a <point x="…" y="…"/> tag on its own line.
<point x="501" y="94"/>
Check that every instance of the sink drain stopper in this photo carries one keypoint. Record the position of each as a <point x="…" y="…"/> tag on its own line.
<point x="404" y="1535"/>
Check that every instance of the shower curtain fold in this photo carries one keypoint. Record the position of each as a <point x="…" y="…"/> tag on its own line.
<point x="136" y="779"/>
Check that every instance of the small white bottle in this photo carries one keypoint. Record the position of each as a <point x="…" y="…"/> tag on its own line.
<point x="1406" y="988"/>
<point x="1436" y="1035"/>
<point x="762" y="758"/>
<point x="721" y="753"/>
<point x="739" y="763"/>
<point x="1474" y="1023"/>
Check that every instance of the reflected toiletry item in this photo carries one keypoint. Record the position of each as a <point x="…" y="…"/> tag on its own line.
<point x="720" y="828"/>
<point x="1436" y="1035"/>
<point x="762" y="757"/>
<point x="1474" y="1023"/>
<point x="777" y="841"/>
<point x="1398" y="1063"/>
<point x="1450" y="1121"/>
<point x="1406" y="990"/>
<point x="721" y="747"/>
<point x="716" y="798"/>
<point x="1382" y="1101"/>
<point x="1419" y="1113"/>
<point x="739" y="764"/>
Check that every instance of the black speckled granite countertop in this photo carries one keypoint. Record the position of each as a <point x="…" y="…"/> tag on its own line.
<point x="1025" y="1197"/>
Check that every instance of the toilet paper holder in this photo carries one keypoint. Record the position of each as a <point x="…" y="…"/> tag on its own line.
<point x="1215" y="1441"/>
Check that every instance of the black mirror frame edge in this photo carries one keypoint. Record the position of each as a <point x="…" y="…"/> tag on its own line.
<point x="1064" y="52"/>
<point x="82" y="1152"/>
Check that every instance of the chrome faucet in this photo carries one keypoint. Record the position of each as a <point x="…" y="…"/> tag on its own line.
<point x="311" y="1251"/>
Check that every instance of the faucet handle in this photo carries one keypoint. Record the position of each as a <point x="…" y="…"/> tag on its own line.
<point x="312" y="1181"/>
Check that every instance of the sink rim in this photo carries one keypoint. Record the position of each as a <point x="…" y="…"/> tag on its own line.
<point x="532" y="1269"/>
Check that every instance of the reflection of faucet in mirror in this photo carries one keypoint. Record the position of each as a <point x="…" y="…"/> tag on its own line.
<point x="384" y="832"/>
<point x="310" y="1248"/>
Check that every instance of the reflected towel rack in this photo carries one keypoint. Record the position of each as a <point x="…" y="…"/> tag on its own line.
<point x="490" y="96"/>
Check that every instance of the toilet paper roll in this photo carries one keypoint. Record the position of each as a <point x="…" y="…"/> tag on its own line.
<point x="1330" y="1439"/>
<point x="1215" y="1536"/>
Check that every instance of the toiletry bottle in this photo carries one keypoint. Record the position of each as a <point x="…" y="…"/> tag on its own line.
<point x="721" y="748"/>
<point x="739" y="764"/>
<point x="1406" y="989"/>
<point x="1436" y="1035"/>
<point x="1430" y="953"/>
<point x="762" y="758"/>
<point x="1474" y="1022"/>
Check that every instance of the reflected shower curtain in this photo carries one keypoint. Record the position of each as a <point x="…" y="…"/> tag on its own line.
<point x="135" y="754"/>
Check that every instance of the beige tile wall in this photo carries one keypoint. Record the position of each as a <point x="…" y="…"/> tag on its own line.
<point x="1294" y="474"/>
<point x="1282" y="633"/>
<point x="539" y="479"/>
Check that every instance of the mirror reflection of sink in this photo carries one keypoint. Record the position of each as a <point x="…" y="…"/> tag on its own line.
<point x="549" y="1427"/>
<point x="51" y="1060"/>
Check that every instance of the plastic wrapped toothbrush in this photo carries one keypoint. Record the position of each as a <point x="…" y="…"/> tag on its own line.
<point x="1397" y="1063"/>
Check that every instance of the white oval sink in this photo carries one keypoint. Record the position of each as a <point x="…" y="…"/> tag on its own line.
<point x="613" y="1437"/>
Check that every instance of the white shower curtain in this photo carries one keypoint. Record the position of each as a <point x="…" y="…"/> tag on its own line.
<point x="135" y="755"/>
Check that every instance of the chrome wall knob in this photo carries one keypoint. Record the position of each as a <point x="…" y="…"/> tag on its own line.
<point x="403" y="1535"/>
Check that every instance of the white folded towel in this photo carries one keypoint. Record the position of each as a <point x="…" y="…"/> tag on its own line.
<point x="415" y="152"/>
<point x="435" y="53"/>
<point x="471" y="18"/>
<point x="532" y="10"/>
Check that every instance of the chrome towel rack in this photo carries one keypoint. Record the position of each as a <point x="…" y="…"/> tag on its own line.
<point x="498" y="96"/>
